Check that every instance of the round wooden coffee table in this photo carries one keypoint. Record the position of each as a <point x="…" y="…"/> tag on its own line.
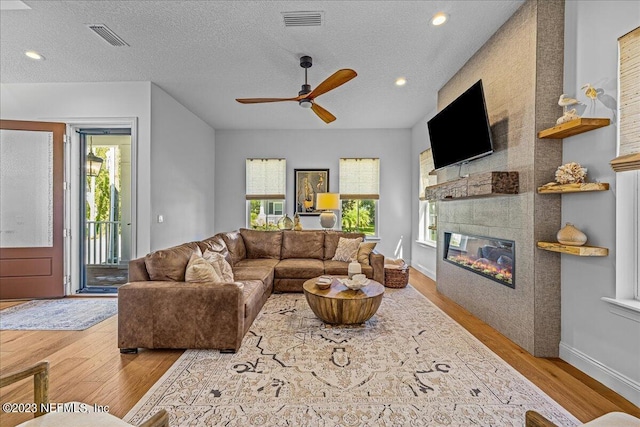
<point x="341" y="305"/>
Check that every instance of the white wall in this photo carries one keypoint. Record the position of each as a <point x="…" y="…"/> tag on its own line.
<point x="604" y="345"/>
<point x="175" y="149"/>
<point x="423" y="257"/>
<point x="320" y="149"/>
<point x="182" y="173"/>
<point x="68" y="101"/>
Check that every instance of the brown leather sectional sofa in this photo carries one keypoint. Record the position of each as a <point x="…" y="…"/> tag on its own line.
<point x="158" y="309"/>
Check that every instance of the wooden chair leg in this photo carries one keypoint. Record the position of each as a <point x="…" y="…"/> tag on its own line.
<point x="41" y="390"/>
<point x="534" y="419"/>
<point x="159" y="419"/>
<point x="40" y="373"/>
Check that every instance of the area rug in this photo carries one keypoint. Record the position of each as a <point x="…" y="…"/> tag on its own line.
<point x="409" y="365"/>
<point x="66" y="314"/>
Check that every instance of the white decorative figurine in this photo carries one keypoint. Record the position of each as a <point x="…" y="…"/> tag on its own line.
<point x="568" y="115"/>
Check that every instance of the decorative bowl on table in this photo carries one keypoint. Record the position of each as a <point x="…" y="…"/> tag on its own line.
<point x="324" y="282"/>
<point x="358" y="281"/>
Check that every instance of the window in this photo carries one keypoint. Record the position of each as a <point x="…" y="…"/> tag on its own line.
<point x="636" y="221"/>
<point x="359" y="191"/>
<point x="427" y="216"/>
<point x="275" y="208"/>
<point x="626" y="301"/>
<point x="265" y="192"/>
<point x="628" y="235"/>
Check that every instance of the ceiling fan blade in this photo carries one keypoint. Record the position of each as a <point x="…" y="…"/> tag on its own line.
<point x="326" y="116"/>
<point x="338" y="78"/>
<point x="259" y="100"/>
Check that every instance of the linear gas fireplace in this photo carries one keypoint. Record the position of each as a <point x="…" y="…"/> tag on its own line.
<point x="486" y="256"/>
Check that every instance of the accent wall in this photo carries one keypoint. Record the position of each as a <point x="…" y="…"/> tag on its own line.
<point x="319" y="149"/>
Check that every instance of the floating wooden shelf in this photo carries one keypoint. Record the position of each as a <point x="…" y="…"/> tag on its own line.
<point x="573" y="188"/>
<point x="574" y="250"/>
<point x="574" y="127"/>
<point x="477" y="185"/>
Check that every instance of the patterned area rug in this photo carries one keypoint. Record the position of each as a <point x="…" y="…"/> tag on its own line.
<point x="66" y="314"/>
<point x="410" y="364"/>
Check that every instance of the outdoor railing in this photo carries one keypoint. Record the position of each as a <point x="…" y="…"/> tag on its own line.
<point x="102" y="242"/>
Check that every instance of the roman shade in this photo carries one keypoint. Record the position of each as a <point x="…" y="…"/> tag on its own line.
<point x="629" y="81"/>
<point x="266" y="179"/>
<point x="359" y="179"/>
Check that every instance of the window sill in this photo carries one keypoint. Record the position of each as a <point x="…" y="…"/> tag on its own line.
<point x="371" y="239"/>
<point x="426" y="244"/>
<point x="628" y="308"/>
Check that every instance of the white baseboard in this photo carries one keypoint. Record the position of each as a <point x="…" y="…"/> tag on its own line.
<point x="621" y="384"/>
<point x="422" y="269"/>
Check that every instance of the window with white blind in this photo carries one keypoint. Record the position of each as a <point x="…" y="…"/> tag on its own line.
<point x="360" y="191"/>
<point x="626" y="300"/>
<point x="629" y="88"/>
<point x="265" y="192"/>
<point x="427" y="232"/>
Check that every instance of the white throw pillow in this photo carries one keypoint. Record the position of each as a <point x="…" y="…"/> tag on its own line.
<point x="347" y="249"/>
<point x="220" y="265"/>
<point x="201" y="270"/>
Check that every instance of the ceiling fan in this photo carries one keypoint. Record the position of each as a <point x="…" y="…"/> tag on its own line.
<point x="306" y="97"/>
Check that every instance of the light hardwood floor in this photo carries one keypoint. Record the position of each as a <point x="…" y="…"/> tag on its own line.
<point x="87" y="366"/>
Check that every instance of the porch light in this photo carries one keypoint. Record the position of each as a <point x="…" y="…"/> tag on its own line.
<point x="94" y="163"/>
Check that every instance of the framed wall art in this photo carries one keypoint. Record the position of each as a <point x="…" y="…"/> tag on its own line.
<point x="308" y="183"/>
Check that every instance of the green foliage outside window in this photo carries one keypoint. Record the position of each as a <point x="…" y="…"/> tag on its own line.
<point x="103" y="189"/>
<point x="359" y="216"/>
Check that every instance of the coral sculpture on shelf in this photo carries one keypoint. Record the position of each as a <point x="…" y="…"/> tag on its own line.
<point x="571" y="173"/>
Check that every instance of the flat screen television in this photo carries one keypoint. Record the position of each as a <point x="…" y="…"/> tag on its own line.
<point x="460" y="132"/>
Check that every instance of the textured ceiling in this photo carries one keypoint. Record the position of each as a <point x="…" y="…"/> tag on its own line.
<point x="207" y="53"/>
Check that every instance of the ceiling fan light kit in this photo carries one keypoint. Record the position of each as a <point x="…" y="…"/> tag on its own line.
<point x="306" y="96"/>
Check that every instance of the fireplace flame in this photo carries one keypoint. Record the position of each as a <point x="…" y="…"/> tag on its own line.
<point x="484" y="266"/>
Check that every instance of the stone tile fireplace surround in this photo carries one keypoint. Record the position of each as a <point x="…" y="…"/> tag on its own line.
<point x="522" y="70"/>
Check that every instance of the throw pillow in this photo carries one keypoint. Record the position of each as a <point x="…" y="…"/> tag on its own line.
<point x="220" y="265"/>
<point x="201" y="270"/>
<point x="364" y="250"/>
<point x="170" y="263"/>
<point x="347" y="249"/>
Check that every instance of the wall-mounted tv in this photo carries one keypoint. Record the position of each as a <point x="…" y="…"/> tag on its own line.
<point x="460" y="132"/>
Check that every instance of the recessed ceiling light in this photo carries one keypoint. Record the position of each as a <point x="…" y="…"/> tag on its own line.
<point x="439" y="19"/>
<point x="34" y="55"/>
<point x="401" y="81"/>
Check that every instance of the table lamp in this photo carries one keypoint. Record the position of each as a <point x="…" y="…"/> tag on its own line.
<point x="327" y="203"/>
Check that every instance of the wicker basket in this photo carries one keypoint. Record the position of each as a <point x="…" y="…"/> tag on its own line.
<point x="396" y="278"/>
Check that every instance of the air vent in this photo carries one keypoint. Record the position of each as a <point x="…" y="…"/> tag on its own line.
<point x="303" y="19"/>
<point x="107" y="35"/>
